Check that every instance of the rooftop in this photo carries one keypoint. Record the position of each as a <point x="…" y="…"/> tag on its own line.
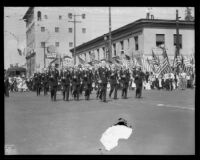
<point x="140" y="23"/>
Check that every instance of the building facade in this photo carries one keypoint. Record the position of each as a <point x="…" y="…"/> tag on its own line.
<point x="50" y="34"/>
<point x="141" y="37"/>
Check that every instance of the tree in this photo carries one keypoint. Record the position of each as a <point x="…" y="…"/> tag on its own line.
<point x="188" y="14"/>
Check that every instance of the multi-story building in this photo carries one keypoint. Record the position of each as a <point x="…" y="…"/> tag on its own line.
<point x="141" y="37"/>
<point x="50" y="33"/>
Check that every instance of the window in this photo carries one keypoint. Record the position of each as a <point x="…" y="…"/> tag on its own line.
<point x="60" y="17"/>
<point x="70" y="44"/>
<point x="160" y="40"/>
<point x="56" y="29"/>
<point x="114" y="49"/>
<point x="128" y="42"/>
<point x="83" y="30"/>
<point x="57" y="44"/>
<point x="98" y="53"/>
<point x="70" y="15"/>
<point x="39" y="14"/>
<point x="104" y="53"/>
<point x="180" y="40"/>
<point x="136" y="43"/>
<point x="122" y="46"/>
<point x="45" y="16"/>
<point x="42" y="29"/>
<point x="42" y="44"/>
<point x="70" y="30"/>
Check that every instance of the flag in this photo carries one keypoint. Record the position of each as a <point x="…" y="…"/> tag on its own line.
<point x="164" y="67"/>
<point x="81" y="60"/>
<point x="145" y="65"/>
<point x="19" y="51"/>
<point x="155" y="59"/>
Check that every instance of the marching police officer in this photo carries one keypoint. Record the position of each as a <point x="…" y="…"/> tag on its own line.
<point x="113" y="83"/>
<point x="125" y="77"/>
<point x="138" y="82"/>
<point x="65" y="82"/>
<point x="37" y="82"/>
<point x="104" y="81"/>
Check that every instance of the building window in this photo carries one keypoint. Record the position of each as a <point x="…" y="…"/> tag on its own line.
<point x="42" y="29"/>
<point x="180" y="40"/>
<point x="56" y="29"/>
<point x="57" y="44"/>
<point x="39" y="16"/>
<point x="104" y="53"/>
<point x="45" y="16"/>
<point x="128" y="42"/>
<point x="70" y="44"/>
<point x="70" y="15"/>
<point x="136" y="43"/>
<point x="98" y="54"/>
<point x="83" y="30"/>
<point x="122" y="46"/>
<point x="70" y="30"/>
<point x="160" y="40"/>
<point x="60" y="17"/>
<point x="114" y="49"/>
<point x="42" y="44"/>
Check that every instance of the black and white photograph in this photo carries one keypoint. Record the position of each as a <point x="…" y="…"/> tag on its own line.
<point x="99" y="80"/>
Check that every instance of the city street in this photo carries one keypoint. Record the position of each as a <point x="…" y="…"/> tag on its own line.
<point x="162" y="121"/>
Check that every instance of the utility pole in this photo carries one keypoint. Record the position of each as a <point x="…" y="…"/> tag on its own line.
<point x="74" y="21"/>
<point x="177" y="34"/>
<point x="177" y="52"/>
<point x="110" y="43"/>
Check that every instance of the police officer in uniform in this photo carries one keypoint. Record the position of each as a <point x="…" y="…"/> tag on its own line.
<point x="65" y="82"/>
<point x="37" y="82"/>
<point x="104" y="81"/>
<point x="113" y="83"/>
<point x="138" y="82"/>
<point x="125" y="82"/>
<point x="54" y="83"/>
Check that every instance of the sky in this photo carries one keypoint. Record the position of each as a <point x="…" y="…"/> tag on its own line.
<point x="98" y="21"/>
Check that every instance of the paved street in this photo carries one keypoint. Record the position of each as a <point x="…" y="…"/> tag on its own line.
<point x="163" y="123"/>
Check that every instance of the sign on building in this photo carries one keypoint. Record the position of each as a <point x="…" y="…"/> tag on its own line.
<point x="51" y="52"/>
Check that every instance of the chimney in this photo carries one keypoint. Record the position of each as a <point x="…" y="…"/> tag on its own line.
<point x="147" y="15"/>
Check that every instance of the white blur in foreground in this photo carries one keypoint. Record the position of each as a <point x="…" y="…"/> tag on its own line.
<point x="111" y="136"/>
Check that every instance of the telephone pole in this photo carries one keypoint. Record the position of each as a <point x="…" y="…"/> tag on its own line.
<point x="177" y="52"/>
<point x="110" y="42"/>
<point x="74" y="21"/>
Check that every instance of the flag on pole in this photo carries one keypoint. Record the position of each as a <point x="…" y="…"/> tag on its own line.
<point x="81" y="60"/>
<point x="164" y="67"/>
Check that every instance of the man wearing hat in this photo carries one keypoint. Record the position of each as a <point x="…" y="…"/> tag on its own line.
<point x="113" y="83"/>
<point x="139" y="81"/>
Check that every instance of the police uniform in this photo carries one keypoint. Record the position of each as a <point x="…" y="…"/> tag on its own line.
<point x="104" y="81"/>
<point x="138" y="82"/>
<point x="113" y="84"/>
<point x="125" y="82"/>
<point x="65" y="82"/>
<point x="53" y="84"/>
<point x="76" y="84"/>
<point x="37" y="82"/>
